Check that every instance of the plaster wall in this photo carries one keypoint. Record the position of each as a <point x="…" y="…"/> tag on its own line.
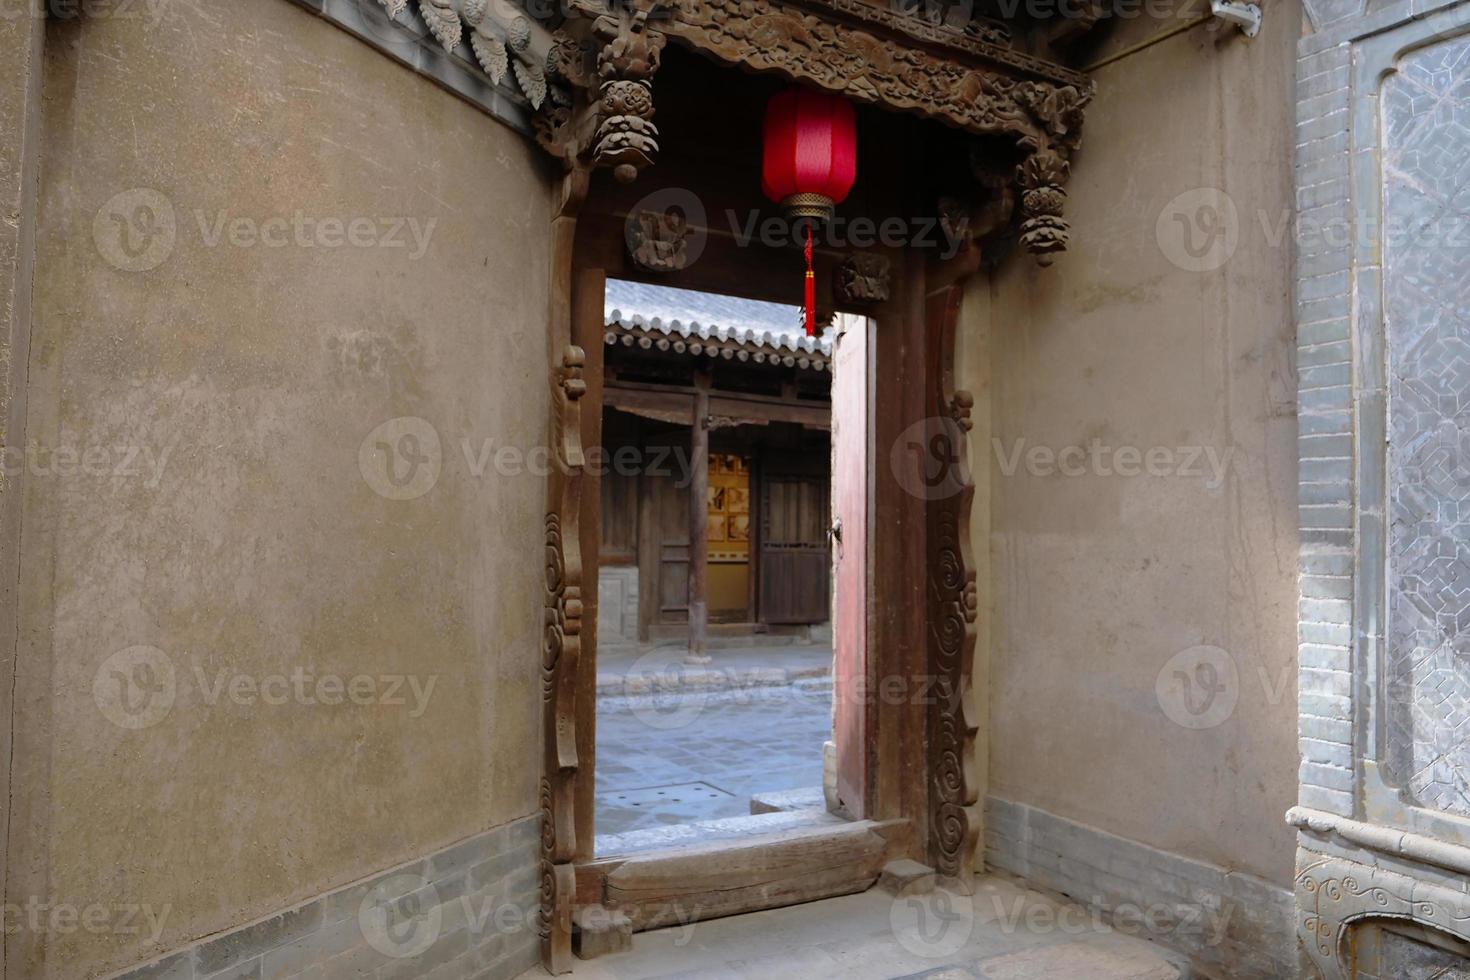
<point x="1132" y="343"/>
<point x="260" y="240"/>
<point x="21" y="44"/>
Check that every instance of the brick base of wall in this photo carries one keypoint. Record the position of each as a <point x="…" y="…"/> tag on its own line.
<point x="469" y="911"/>
<point x="1229" y="924"/>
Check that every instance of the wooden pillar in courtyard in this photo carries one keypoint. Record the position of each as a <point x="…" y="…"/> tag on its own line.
<point x="698" y="531"/>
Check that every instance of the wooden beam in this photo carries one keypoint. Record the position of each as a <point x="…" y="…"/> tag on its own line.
<point x="669" y="405"/>
<point x="743" y="409"/>
<point x="674" y="403"/>
<point x="698" y="530"/>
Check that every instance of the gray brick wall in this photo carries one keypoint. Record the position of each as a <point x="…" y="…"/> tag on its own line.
<point x="1230" y="924"/>
<point x="1333" y="299"/>
<point x="1341" y="358"/>
<point x="1325" y="226"/>
<point x="468" y="911"/>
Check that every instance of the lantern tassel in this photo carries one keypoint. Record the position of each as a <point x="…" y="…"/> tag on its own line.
<point x="811" y="287"/>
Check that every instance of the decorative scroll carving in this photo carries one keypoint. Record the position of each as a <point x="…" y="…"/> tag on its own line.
<point x="863" y="278"/>
<point x="561" y="653"/>
<point x="1334" y="895"/>
<point x="954" y="797"/>
<point x="660" y="241"/>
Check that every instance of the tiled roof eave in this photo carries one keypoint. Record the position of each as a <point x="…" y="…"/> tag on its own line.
<point x="695" y="340"/>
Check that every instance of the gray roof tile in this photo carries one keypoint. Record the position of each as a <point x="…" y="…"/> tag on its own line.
<point x="636" y="305"/>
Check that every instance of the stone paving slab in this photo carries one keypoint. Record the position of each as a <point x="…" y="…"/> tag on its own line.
<point x="740" y="743"/>
<point x="1003" y="932"/>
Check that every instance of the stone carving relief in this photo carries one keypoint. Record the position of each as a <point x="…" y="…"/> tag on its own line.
<point x="1426" y="296"/>
<point x="1334" y="896"/>
<point x="863" y="279"/>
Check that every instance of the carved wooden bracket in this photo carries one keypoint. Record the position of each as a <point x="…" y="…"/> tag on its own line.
<point x="626" y="138"/>
<point x="659" y="241"/>
<point x="863" y="278"/>
<point x="1043" y="230"/>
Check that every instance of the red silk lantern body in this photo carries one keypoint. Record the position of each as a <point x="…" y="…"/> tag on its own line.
<point x="810" y="151"/>
<point x="810" y="163"/>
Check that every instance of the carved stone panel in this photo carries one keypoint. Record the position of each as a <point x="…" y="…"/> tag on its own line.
<point x="1335" y="896"/>
<point x="1426" y="298"/>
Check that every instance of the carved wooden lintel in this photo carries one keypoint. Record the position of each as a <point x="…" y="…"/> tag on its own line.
<point x="863" y="278"/>
<point x="591" y="79"/>
<point x="970" y="78"/>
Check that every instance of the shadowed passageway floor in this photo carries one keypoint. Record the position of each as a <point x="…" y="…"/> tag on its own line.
<point x="1002" y="932"/>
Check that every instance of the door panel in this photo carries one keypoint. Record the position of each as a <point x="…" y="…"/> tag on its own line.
<point x="850" y="497"/>
<point x="796" y="574"/>
<point x="673" y="555"/>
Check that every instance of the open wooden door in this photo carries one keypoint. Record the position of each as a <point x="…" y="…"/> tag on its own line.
<point x="851" y="387"/>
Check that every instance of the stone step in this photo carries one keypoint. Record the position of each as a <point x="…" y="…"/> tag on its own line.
<point x="785" y="800"/>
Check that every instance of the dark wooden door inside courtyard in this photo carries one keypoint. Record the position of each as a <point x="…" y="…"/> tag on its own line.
<point x="795" y="559"/>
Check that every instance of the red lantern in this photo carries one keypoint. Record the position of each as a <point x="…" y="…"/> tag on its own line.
<point x="810" y="152"/>
<point x="810" y="163"/>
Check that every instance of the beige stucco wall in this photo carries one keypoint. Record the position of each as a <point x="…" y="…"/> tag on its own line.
<point x="1098" y="580"/>
<point x="21" y="42"/>
<point x="244" y="539"/>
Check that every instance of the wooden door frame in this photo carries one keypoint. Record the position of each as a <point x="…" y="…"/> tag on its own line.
<point x="921" y="629"/>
